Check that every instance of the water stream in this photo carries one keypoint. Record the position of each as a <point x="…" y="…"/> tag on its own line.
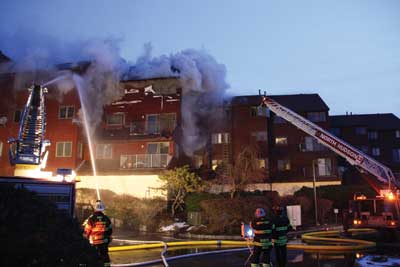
<point x="79" y="82"/>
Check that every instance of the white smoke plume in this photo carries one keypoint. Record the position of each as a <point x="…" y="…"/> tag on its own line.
<point x="204" y="86"/>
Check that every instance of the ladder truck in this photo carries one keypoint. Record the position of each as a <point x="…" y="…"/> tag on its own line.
<point x="29" y="156"/>
<point x="368" y="212"/>
<point x="27" y="152"/>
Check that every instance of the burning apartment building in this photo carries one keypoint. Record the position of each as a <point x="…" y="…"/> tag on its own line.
<point x="162" y="113"/>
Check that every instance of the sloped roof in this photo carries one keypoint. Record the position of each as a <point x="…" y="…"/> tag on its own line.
<point x="385" y="121"/>
<point x="296" y="102"/>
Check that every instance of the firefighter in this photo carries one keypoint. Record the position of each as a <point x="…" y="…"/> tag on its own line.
<point x="282" y="227"/>
<point x="263" y="228"/>
<point x="98" y="229"/>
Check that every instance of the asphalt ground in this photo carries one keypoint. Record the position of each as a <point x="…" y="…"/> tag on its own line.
<point x="295" y="258"/>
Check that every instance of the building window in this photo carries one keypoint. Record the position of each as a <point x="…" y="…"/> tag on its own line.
<point x="167" y="122"/>
<point x="116" y="119"/>
<point x="103" y="151"/>
<point x="220" y="138"/>
<point x="262" y="163"/>
<point x="63" y="149"/>
<point x="396" y="155"/>
<point x="281" y="141"/>
<point x="335" y="131"/>
<point x="361" y="130"/>
<point x="283" y="164"/>
<point x="158" y="148"/>
<point x="1" y="149"/>
<point x="397" y="133"/>
<point x="152" y="124"/>
<point x="259" y="111"/>
<point x="324" y="167"/>
<point x="80" y="150"/>
<point x="376" y="151"/>
<point x="316" y="116"/>
<point x="372" y="135"/>
<point x="311" y="144"/>
<point x="66" y="112"/>
<point x="17" y="115"/>
<point x="279" y="120"/>
<point x="260" y="136"/>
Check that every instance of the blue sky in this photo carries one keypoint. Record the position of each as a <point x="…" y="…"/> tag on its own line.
<point x="348" y="51"/>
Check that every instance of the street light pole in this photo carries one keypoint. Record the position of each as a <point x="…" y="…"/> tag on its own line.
<point x="315" y="194"/>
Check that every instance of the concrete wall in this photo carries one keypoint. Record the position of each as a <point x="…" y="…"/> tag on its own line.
<point x="136" y="185"/>
<point x="282" y="188"/>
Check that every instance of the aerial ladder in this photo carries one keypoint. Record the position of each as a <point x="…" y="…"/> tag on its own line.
<point x="28" y="152"/>
<point x="355" y="157"/>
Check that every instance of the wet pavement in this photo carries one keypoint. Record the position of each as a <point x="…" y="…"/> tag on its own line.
<point x="295" y="258"/>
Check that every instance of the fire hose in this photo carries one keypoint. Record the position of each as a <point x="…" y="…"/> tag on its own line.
<point x="335" y="243"/>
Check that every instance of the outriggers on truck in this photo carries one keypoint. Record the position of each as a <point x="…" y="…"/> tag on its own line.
<point x="379" y="212"/>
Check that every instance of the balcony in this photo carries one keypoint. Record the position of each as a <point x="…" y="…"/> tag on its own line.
<point x="161" y="127"/>
<point x="144" y="161"/>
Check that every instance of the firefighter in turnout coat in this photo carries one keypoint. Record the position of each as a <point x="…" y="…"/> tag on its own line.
<point x="98" y="229"/>
<point x="282" y="227"/>
<point x="263" y="228"/>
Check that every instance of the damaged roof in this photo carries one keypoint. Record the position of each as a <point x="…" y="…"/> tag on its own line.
<point x="296" y="102"/>
<point x="385" y="121"/>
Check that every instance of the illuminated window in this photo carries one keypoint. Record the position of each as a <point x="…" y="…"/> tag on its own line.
<point x="282" y="141"/>
<point x="397" y="133"/>
<point x="66" y="112"/>
<point x="17" y="115"/>
<point x="396" y="155"/>
<point x="316" y="116"/>
<point x="376" y="151"/>
<point x="260" y="136"/>
<point x="262" y="163"/>
<point x="372" y="135"/>
<point x="63" y="149"/>
<point x="115" y="119"/>
<point x="324" y="167"/>
<point x="103" y="151"/>
<point x="283" y="164"/>
<point x="220" y="138"/>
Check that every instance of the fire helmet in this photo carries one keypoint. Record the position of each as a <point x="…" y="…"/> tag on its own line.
<point x="99" y="206"/>
<point x="260" y="212"/>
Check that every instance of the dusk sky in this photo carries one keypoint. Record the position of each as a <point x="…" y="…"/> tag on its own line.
<point x="347" y="51"/>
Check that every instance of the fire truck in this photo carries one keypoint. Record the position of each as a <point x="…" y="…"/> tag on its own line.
<point x="28" y="154"/>
<point x="381" y="211"/>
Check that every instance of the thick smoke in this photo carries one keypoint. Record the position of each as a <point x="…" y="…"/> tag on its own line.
<point x="202" y="77"/>
<point x="43" y="59"/>
<point x="204" y="87"/>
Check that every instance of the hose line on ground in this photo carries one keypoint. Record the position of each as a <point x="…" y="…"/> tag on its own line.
<point x="335" y="243"/>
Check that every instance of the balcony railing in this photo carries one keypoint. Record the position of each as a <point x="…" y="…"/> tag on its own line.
<point x="152" y="127"/>
<point x="143" y="161"/>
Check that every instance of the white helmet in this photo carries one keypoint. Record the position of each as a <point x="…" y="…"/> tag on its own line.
<point x="99" y="206"/>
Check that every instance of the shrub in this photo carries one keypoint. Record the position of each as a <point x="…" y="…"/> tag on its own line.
<point x="131" y="211"/>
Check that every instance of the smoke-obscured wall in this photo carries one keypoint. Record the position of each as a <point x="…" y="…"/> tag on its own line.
<point x="204" y="86"/>
<point x="203" y="79"/>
